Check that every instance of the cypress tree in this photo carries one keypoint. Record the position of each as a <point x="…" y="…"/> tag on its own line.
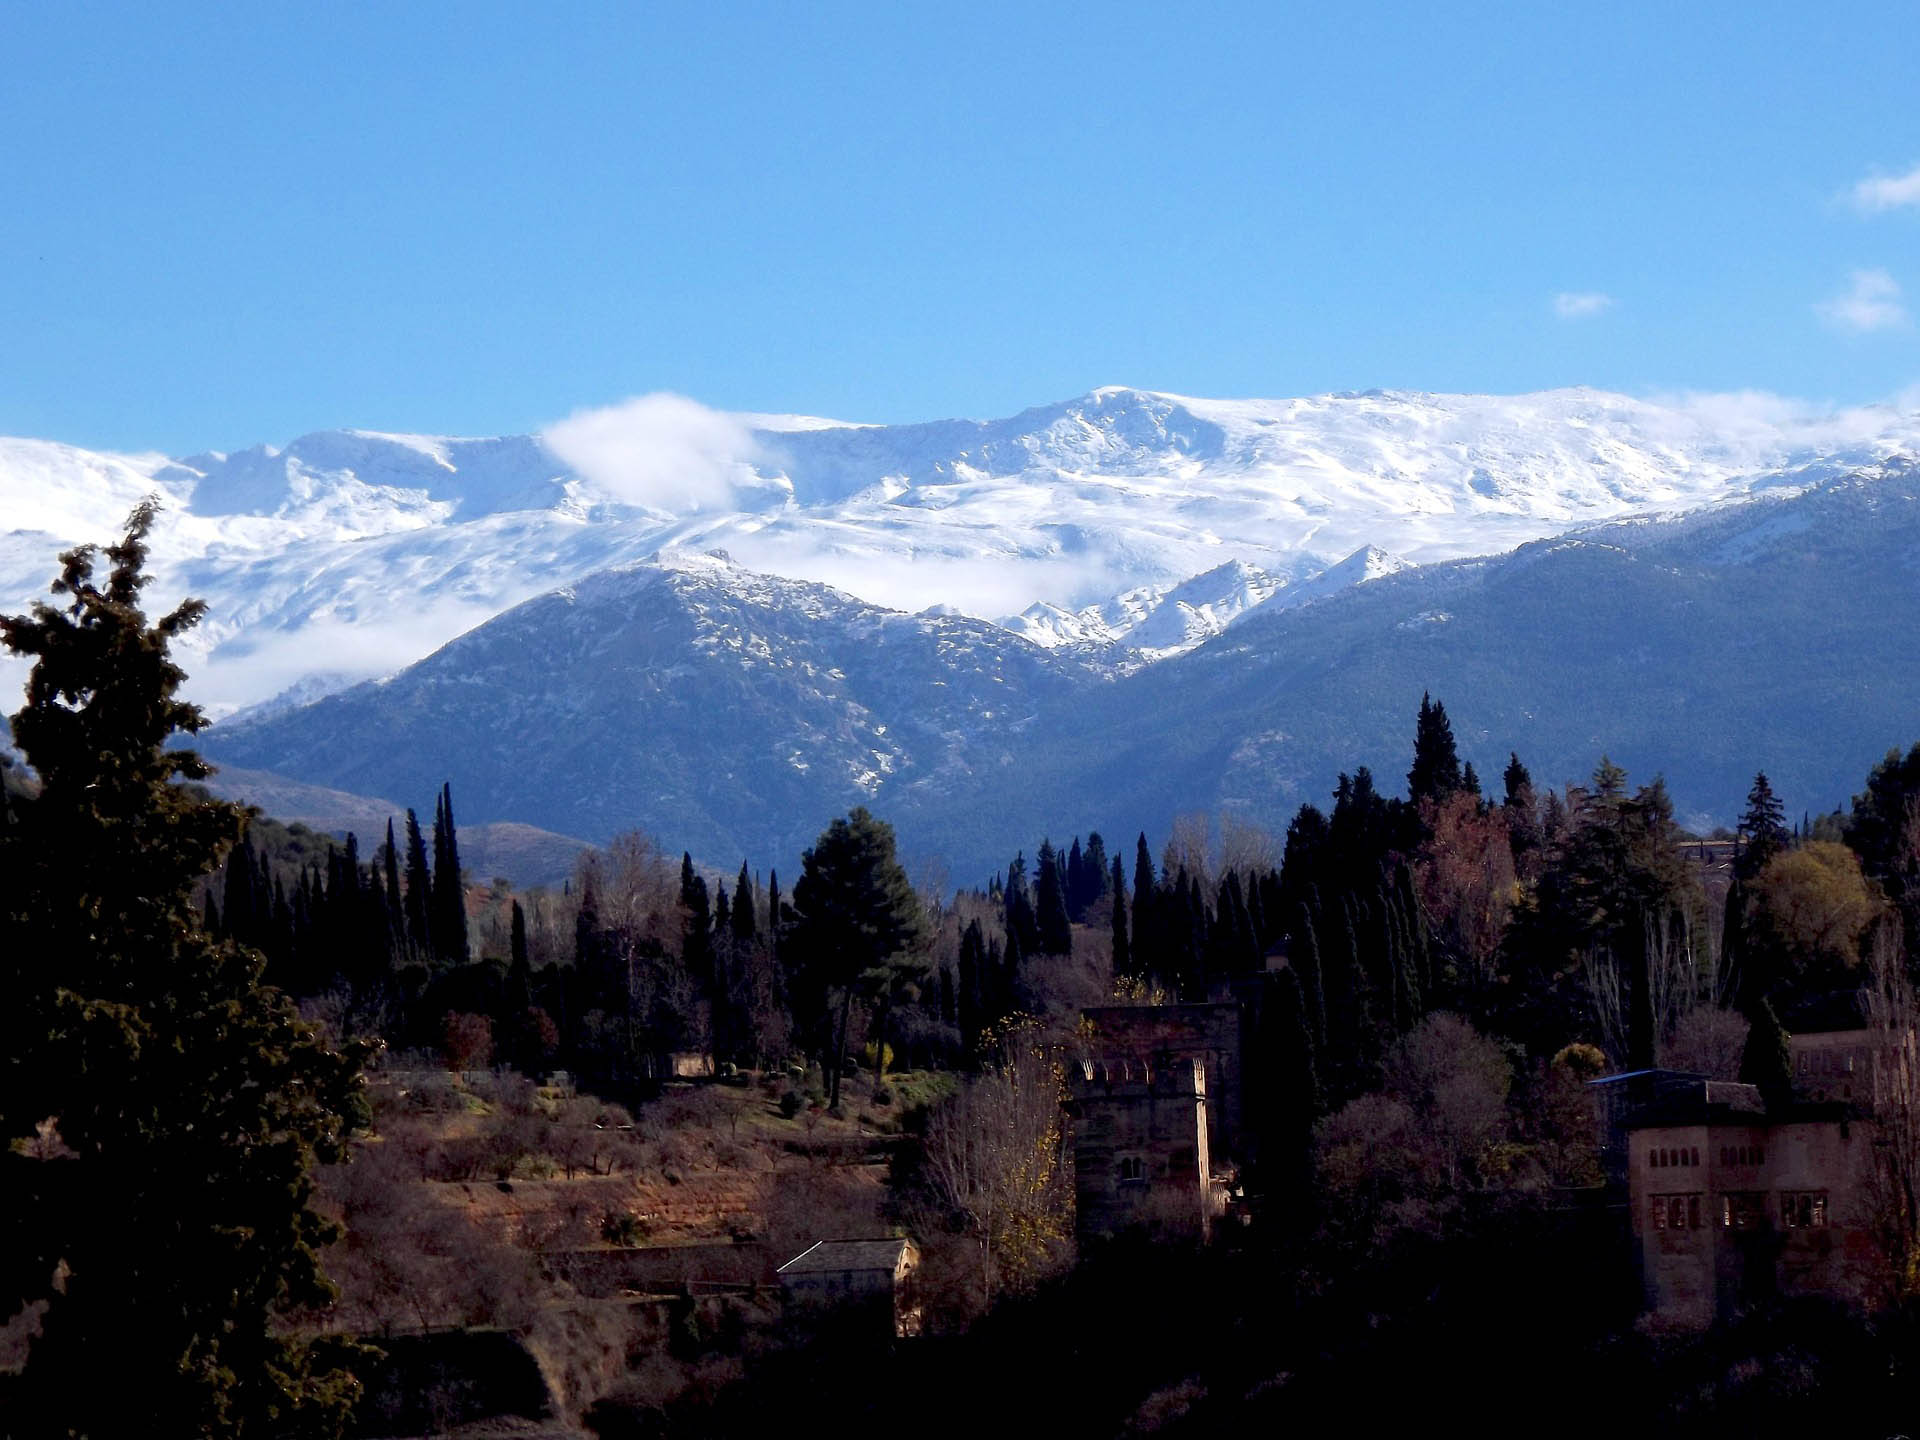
<point x="1147" y="956"/>
<point x="970" y="1003"/>
<point x="1470" y="781"/>
<point x="1079" y="894"/>
<point x="390" y="860"/>
<point x="1767" y="1060"/>
<point x="744" y="924"/>
<point x="722" y="912"/>
<point x="1303" y="958"/>
<point x="518" y="940"/>
<point x="449" y="893"/>
<point x="1099" y="866"/>
<point x="419" y="903"/>
<point x="1290" y="1098"/>
<point x="1122" y="946"/>
<point x="1052" y="926"/>
<point x="696" y="927"/>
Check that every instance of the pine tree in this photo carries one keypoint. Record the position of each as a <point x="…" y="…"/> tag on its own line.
<point x="1764" y="826"/>
<point x="1518" y="783"/>
<point x="1469" y="781"/>
<point x="195" y="1101"/>
<point x="857" y="911"/>
<point x="1436" y="763"/>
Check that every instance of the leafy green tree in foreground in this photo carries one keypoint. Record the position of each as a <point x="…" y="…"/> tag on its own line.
<point x="859" y="920"/>
<point x="169" y="1227"/>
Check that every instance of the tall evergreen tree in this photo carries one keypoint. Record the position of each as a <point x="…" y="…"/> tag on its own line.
<point x="857" y="913"/>
<point x="1436" y="763"/>
<point x="745" y="924"/>
<point x="1122" y="941"/>
<point x="174" y="1243"/>
<point x="1079" y="894"/>
<point x="1288" y="1100"/>
<point x="1099" y="867"/>
<point x="1050" y="905"/>
<point x="1147" y="958"/>
<point x="449" y="891"/>
<point x="1764" y="827"/>
<point x="390" y="864"/>
<point x="1518" y="783"/>
<point x="1469" y="780"/>
<point x="419" y="890"/>
<point x="1767" y="1060"/>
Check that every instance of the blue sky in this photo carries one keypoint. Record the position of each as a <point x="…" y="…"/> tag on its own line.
<point x="221" y="226"/>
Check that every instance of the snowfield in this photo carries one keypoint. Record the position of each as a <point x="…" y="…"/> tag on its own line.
<point x="1124" y="526"/>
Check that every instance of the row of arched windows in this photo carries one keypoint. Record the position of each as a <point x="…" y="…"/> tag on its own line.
<point x="1664" y="1156"/>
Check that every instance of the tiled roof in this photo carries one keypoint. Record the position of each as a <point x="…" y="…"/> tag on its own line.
<point x="826" y="1255"/>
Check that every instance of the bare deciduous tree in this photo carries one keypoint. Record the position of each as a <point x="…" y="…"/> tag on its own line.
<point x="996" y="1173"/>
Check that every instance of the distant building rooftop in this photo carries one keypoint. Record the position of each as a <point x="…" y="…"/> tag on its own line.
<point x="830" y="1255"/>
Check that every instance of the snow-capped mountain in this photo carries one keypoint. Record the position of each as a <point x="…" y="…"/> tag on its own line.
<point x="734" y="713"/>
<point x="681" y="694"/>
<point x="1126" y="525"/>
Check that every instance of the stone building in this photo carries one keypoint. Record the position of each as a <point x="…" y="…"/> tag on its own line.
<point x="1212" y="1034"/>
<point x="1142" y="1159"/>
<point x="855" y="1275"/>
<point x="1731" y="1204"/>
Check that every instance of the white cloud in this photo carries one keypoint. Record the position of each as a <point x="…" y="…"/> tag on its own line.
<point x="1580" y="304"/>
<point x="661" y="451"/>
<point x="1871" y="302"/>
<point x="1877" y="193"/>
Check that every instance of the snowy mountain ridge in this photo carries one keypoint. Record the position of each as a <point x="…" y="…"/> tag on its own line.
<point x="1124" y="525"/>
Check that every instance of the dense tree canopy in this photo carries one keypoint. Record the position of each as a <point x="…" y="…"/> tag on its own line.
<point x="188" y="1100"/>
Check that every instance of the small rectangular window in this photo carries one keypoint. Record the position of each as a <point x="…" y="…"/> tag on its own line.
<point x="1803" y="1209"/>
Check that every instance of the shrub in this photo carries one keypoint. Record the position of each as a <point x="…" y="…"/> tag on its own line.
<point x="790" y="1104"/>
<point x="883" y="1096"/>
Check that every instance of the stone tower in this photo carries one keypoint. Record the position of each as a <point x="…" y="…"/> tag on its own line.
<point x="1140" y="1150"/>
